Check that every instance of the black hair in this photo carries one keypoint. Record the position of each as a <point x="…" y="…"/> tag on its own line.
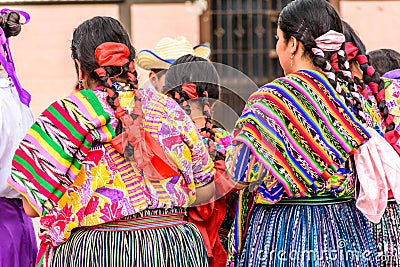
<point x="202" y="73"/>
<point x="159" y="72"/>
<point x="384" y="60"/>
<point x="351" y="36"/>
<point x="193" y="69"/>
<point x="87" y="37"/>
<point x="306" y="20"/>
<point x="9" y="22"/>
<point x="370" y="78"/>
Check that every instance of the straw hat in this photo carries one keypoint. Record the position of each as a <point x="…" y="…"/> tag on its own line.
<point x="167" y="51"/>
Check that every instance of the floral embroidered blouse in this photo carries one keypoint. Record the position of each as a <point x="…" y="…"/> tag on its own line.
<point x="71" y="174"/>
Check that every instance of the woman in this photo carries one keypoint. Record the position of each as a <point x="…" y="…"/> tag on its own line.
<point x="193" y="82"/>
<point x="17" y="243"/>
<point x="293" y="153"/>
<point x="379" y="196"/>
<point x="111" y="169"/>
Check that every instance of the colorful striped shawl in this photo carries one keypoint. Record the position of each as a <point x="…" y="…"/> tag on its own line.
<point x="300" y="130"/>
<point x="51" y="154"/>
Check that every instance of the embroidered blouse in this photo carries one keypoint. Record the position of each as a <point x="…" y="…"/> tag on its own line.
<point x="73" y="177"/>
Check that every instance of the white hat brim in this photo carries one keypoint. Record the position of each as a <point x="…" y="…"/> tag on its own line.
<point x="148" y="60"/>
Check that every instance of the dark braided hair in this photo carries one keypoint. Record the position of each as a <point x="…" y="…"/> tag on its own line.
<point x="370" y="76"/>
<point x="10" y="23"/>
<point x="86" y="38"/>
<point x="198" y="71"/>
<point x="299" y="19"/>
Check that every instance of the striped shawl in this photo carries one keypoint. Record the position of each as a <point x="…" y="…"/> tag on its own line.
<point x="300" y="130"/>
<point x="51" y="154"/>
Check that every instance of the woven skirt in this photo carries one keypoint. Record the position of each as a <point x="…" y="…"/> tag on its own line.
<point x="308" y="235"/>
<point x="18" y="246"/>
<point x="156" y="241"/>
<point x="387" y="236"/>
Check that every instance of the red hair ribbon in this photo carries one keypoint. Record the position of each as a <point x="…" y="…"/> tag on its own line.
<point x="131" y="76"/>
<point x="335" y="62"/>
<point x="132" y="67"/>
<point x="370" y="71"/>
<point x="362" y="59"/>
<point x="351" y="50"/>
<point x="392" y="137"/>
<point x="389" y="119"/>
<point x="190" y="90"/>
<point x="148" y="153"/>
<point x="112" y="54"/>
<point x="101" y="72"/>
<point x="380" y="96"/>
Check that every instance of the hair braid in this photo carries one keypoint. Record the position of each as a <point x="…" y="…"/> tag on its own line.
<point x="112" y="93"/>
<point x="181" y="98"/>
<point x="354" y="98"/>
<point x="208" y="126"/>
<point x="194" y="78"/>
<point x="377" y="87"/>
<point x="132" y="74"/>
<point x="351" y="98"/>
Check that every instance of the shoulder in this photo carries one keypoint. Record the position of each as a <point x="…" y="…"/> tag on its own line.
<point x="10" y="104"/>
<point x="154" y="101"/>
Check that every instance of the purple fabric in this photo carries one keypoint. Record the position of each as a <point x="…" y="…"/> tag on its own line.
<point x="393" y="74"/>
<point x="7" y="61"/>
<point x="18" y="246"/>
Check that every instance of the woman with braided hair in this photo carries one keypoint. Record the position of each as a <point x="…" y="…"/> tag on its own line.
<point x="193" y="82"/>
<point x="17" y="242"/>
<point x="294" y="150"/>
<point x="111" y="169"/>
<point x="379" y="194"/>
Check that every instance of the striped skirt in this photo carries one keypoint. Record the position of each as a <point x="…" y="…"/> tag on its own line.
<point x="156" y="241"/>
<point x="387" y="236"/>
<point x="308" y="235"/>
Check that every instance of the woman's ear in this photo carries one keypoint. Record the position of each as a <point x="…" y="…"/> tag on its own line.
<point x="79" y="70"/>
<point x="153" y="78"/>
<point x="293" y="45"/>
<point x="83" y="77"/>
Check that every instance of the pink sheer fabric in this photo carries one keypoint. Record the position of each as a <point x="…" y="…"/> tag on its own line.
<point x="378" y="168"/>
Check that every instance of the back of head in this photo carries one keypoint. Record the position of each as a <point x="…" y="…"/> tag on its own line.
<point x="103" y="49"/>
<point x="384" y="60"/>
<point x="194" y="78"/>
<point x="310" y="20"/>
<point x="193" y="69"/>
<point x="10" y="23"/>
<point x="94" y="32"/>
<point x="306" y="20"/>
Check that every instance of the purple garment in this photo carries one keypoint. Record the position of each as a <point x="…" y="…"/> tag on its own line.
<point x="18" y="246"/>
<point x="393" y="74"/>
